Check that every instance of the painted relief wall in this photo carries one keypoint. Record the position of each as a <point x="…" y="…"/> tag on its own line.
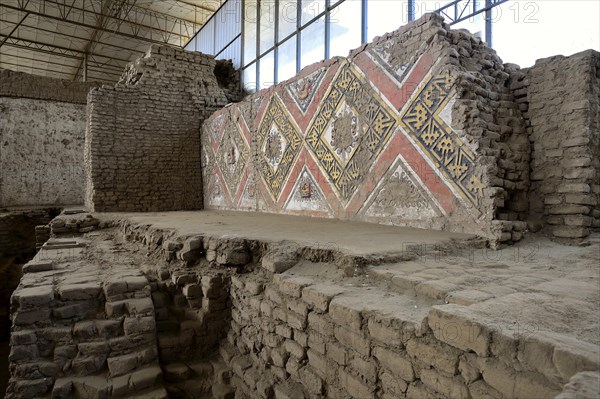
<point x="371" y="137"/>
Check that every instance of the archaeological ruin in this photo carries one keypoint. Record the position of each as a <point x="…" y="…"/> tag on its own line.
<point x="418" y="219"/>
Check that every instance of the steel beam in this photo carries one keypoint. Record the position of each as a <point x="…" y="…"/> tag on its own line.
<point x="14" y="29"/>
<point x="106" y="29"/>
<point x="74" y="37"/>
<point x="461" y="10"/>
<point x="53" y="49"/>
<point x="61" y="72"/>
<point x="88" y="47"/>
<point x="202" y="7"/>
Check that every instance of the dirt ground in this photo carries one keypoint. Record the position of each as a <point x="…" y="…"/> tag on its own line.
<point x="350" y="236"/>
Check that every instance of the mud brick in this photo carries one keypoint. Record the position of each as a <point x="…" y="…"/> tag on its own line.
<point x="74" y="292"/>
<point x="35" y="296"/>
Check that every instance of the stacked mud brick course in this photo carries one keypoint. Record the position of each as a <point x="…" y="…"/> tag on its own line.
<point x="192" y="312"/>
<point x="24" y="85"/>
<point x="42" y="128"/>
<point x="298" y="336"/>
<point x="560" y="97"/>
<point x="452" y="118"/>
<point x="142" y="138"/>
<point x="79" y="331"/>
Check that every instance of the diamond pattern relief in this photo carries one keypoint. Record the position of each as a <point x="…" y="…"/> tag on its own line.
<point x="384" y="57"/>
<point x="232" y="156"/>
<point x="349" y="130"/>
<point x="303" y="90"/>
<point x="279" y="144"/>
<point x="422" y="121"/>
<point x="215" y="127"/>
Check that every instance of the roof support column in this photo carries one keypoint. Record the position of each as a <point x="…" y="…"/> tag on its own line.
<point x="85" y="67"/>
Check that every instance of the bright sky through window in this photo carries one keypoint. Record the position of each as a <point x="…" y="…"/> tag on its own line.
<point x="528" y="30"/>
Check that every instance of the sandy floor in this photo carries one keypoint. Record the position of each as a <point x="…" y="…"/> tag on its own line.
<point x="353" y="237"/>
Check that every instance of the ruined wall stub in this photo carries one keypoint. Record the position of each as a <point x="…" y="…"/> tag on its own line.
<point x="560" y="97"/>
<point x="42" y="128"/>
<point x="142" y="138"/>
<point x="417" y="128"/>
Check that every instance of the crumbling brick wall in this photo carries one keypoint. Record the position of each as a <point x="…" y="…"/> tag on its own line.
<point x="418" y="128"/>
<point x="42" y="125"/>
<point x="560" y="97"/>
<point x="142" y="138"/>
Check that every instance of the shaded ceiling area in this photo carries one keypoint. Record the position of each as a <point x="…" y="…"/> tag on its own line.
<point x="92" y="40"/>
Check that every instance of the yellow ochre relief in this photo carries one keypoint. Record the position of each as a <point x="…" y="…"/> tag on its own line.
<point x="422" y="121"/>
<point x="349" y="130"/>
<point x="279" y="145"/>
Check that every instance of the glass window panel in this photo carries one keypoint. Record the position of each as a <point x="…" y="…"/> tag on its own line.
<point x="313" y="42"/>
<point x="206" y="36"/>
<point x="267" y="70"/>
<point x="425" y="6"/>
<point x="190" y="45"/>
<point x="286" y="59"/>
<point x="250" y="31"/>
<point x="311" y="9"/>
<point x="249" y="78"/>
<point x="385" y="16"/>
<point x="524" y="22"/>
<point x="267" y="25"/>
<point x="232" y="52"/>
<point x="288" y="15"/>
<point x="345" y="25"/>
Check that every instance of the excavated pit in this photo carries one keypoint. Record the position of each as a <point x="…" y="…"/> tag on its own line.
<point x="18" y="245"/>
<point x="215" y="305"/>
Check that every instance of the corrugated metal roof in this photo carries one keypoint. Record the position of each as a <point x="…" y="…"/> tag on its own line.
<point x="58" y="38"/>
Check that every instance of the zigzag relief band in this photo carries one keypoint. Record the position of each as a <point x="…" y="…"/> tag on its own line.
<point x="421" y="120"/>
<point x="351" y="128"/>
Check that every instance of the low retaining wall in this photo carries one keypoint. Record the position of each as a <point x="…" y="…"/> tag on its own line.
<point x="417" y="128"/>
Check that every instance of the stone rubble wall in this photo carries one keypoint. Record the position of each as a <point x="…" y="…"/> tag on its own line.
<point x="417" y="128"/>
<point x="142" y="137"/>
<point x="42" y="128"/>
<point x="560" y="97"/>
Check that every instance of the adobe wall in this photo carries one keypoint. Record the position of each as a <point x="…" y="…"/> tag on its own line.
<point x="24" y="85"/>
<point x="417" y="128"/>
<point x="142" y="137"/>
<point x="561" y="99"/>
<point x="42" y="126"/>
<point x="142" y="309"/>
